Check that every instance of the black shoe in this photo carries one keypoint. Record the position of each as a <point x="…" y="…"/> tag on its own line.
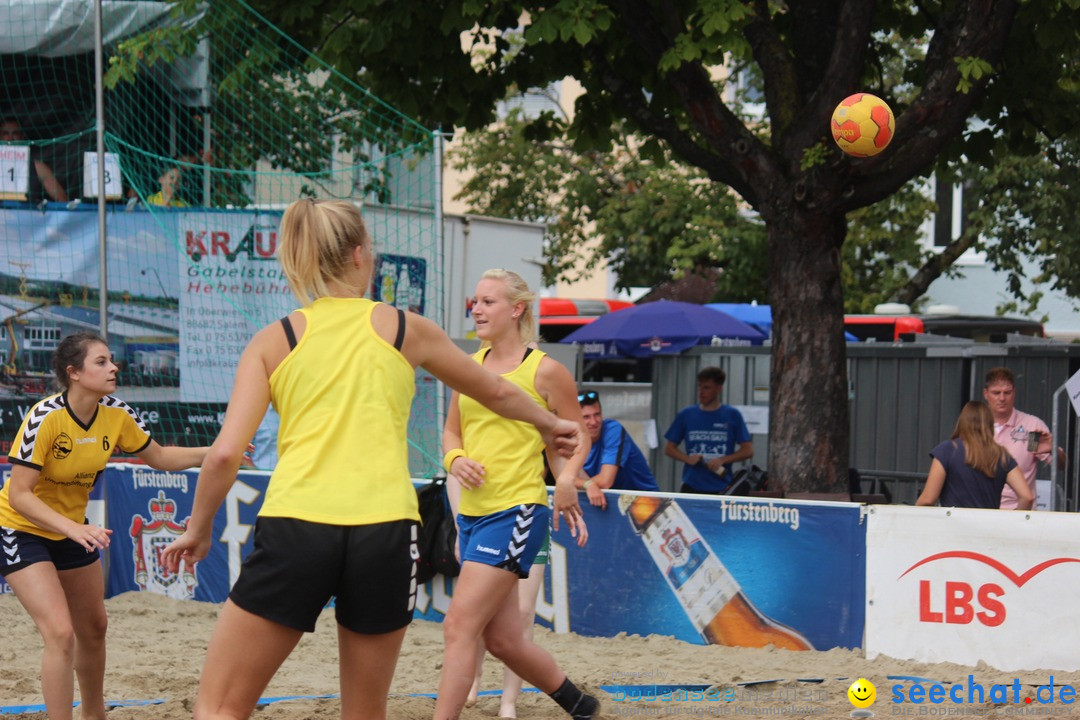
<point x="587" y="708"/>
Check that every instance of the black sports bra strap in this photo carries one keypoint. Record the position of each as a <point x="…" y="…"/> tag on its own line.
<point x="400" y="339"/>
<point x="528" y="351"/>
<point x="286" y="324"/>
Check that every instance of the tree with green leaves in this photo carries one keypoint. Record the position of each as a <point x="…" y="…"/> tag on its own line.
<point x="651" y="219"/>
<point x="1009" y="66"/>
<point x="646" y="215"/>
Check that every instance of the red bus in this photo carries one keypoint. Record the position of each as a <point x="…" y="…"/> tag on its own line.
<point x="561" y="316"/>
<point x="981" y="328"/>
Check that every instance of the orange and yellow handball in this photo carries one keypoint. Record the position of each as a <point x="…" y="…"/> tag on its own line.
<point x="862" y="125"/>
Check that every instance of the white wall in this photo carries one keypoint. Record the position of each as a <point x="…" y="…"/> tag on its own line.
<point x="473" y="244"/>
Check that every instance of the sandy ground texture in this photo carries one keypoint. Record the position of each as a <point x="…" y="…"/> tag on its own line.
<point x="156" y="648"/>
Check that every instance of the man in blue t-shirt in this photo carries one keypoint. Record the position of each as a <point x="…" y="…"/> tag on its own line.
<point x="614" y="462"/>
<point x="714" y="435"/>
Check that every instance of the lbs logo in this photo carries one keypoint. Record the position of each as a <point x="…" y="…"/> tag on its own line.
<point x="962" y="603"/>
<point x="151" y="536"/>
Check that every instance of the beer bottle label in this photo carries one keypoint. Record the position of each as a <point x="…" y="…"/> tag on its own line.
<point x="700" y="581"/>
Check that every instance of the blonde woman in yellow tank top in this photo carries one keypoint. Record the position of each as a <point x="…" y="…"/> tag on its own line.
<point x="503" y="512"/>
<point x="340" y="514"/>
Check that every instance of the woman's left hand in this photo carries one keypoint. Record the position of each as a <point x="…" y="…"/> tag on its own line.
<point x="567" y="507"/>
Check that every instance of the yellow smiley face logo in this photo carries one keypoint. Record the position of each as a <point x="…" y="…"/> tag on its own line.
<point x="862" y="693"/>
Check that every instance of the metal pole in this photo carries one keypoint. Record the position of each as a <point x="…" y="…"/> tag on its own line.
<point x="1068" y="492"/>
<point x="207" y="149"/>
<point x="99" y="92"/>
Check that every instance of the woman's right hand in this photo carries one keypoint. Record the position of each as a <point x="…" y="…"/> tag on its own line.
<point x="468" y="472"/>
<point x="188" y="547"/>
<point x="91" y="537"/>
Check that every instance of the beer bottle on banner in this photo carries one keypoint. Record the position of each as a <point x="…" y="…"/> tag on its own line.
<point x="711" y="597"/>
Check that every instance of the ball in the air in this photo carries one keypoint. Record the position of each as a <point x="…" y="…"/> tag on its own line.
<point x="862" y="125"/>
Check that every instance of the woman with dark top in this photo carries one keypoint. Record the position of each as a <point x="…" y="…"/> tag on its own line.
<point x="971" y="469"/>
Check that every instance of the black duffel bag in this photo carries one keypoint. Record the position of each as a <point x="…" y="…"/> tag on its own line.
<point x="438" y="533"/>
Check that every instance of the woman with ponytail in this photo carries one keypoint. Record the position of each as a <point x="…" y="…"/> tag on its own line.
<point x="971" y="469"/>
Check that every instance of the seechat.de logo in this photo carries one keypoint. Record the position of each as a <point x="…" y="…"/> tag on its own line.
<point x="960" y="603"/>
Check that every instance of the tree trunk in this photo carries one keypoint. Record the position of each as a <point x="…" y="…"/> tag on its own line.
<point x="808" y="419"/>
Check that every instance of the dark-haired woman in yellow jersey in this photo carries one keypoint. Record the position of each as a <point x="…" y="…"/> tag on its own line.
<point x="503" y="512"/>
<point x="48" y="549"/>
<point x="340" y="513"/>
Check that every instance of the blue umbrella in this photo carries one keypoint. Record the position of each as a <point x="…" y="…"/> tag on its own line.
<point x="664" y="327"/>
<point x="759" y="316"/>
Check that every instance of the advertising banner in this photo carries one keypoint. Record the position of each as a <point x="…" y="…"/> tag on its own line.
<point x="62" y="247"/>
<point x="188" y="289"/>
<point x="968" y="586"/>
<point x="147" y="509"/>
<point x="233" y="286"/>
<point x="704" y="569"/>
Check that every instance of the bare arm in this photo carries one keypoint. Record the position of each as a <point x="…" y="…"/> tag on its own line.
<point x="49" y="183"/>
<point x="745" y="451"/>
<point x="557" y="387"/>
<point x="172" y="457"/>
<point x="466" y="471"/>
<point x="1024" y="498"/>
<point x="605" y="478"/>
<point x="428" y="346"/>
<point x="453" y="495"/>
<point x="672" y="451"/>
<point x="247" y="405"/>
<point x="23" y="501"/>
<point x="1046" y="447"/>
<point x="597" y="484"/>
<point x="935" y="480"/>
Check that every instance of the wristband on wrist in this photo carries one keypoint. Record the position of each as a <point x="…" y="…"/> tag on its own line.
<point x="450" y="457"/>
<point x="587" y="484"/>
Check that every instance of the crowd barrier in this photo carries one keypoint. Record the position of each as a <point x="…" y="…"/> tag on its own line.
<point x="928" y="584"/>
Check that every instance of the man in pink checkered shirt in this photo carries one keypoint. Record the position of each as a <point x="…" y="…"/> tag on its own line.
<point x="1012" y="429"/>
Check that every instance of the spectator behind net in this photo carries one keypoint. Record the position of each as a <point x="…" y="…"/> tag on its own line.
<point x="169" y="196"/>
<point x="42" y="181"/>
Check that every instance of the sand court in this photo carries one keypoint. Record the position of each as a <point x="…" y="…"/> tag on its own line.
<point x="157" y="644"/>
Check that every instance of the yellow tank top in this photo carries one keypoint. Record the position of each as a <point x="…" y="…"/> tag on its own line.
<point x="69" y="455"/>
<point x="510" y="451"/>
<point x="343" y="395"/>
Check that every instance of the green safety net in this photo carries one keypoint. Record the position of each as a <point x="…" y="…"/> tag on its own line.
<point x="213" y="123"/>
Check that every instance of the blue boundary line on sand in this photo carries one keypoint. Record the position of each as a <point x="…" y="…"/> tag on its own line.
<point x="610" y="689"/>
<point x="23" y="709"/>
<point x="653" y="690"/>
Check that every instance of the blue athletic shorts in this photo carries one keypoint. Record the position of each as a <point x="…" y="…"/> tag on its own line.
<point x="509" y="539"/>
<point x="19" y="549"/>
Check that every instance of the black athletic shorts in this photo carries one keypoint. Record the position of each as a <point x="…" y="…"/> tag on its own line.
<point x="297" y="566"/>
<point x="19" y="549"/>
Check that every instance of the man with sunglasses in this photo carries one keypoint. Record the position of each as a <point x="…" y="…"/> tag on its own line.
<point x="614" y="462"/>
<point x="714" y="435"/>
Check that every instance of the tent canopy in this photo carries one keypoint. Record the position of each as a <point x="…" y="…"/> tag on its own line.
<point x="57" y="28"/>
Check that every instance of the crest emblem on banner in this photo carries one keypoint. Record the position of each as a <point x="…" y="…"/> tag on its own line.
<point x="150" y="537"/>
